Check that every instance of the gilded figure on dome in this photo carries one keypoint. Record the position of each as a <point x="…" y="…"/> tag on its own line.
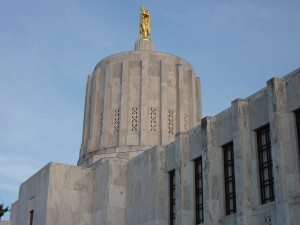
<point x="145" y="23"/>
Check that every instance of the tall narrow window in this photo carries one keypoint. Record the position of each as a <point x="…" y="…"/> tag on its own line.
<point x="172" y="197"/>
<point x="297" y="114"/>
<point x="229" y="179"/>
<point x="31" y="217"/>
<point x="265" y="165"/>
<point x="199" y="190"/>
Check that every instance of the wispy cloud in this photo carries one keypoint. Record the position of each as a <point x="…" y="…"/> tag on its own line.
<point x="16" y="168"/>
<point x="9" y="187"/>
<point x="227" y="13"/>
<point x="18" y="124"/>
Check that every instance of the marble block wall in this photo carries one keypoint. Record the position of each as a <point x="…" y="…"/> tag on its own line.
<point x="57" y="194"/>
<point x="146" y="188"/>
<point x="109" y="192"/>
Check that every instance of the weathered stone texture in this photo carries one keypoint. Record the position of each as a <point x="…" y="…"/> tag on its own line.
<point x="109" y="192"/>
<point x="69" y="197"/>
<point x="146" y="199"/>
<point x="58" y="194"/>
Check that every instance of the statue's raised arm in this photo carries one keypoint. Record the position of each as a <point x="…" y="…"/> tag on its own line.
<point x="145" y="23"/>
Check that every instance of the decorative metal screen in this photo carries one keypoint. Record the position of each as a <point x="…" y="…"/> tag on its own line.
<point x="171" y="122"/>
<point x="153" y="119"/>
<point x="172" y="189"/>
<point x="116" y="120"/>
<point x="265" y="164"/>
<point x="134" y="119"/>
<point x="101" y="123"/>
<point x="199" y="190"/>
<point x="267" y="220"/>
<point x="186" y="121"/>
<point x="229" y="179"/>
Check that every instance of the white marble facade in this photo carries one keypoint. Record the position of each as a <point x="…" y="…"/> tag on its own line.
<point x="142" y="120"/>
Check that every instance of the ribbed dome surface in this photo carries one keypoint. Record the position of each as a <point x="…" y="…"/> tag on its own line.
<point x="135" y="100"/>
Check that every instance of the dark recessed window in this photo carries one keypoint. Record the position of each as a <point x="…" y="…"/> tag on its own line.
<point x="229" y="179"/>
<point x="31" y="217"/>
<point x="199" y="190"/>
<point x="172" y="197"/>
<point x="297" y="114"/>
<point x="265" y="164"/>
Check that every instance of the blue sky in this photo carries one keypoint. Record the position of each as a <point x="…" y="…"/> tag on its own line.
<point x="47" y="49"/>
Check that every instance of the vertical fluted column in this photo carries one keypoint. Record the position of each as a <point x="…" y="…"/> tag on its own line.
<point x="89" y="129"/>
<point x="184" y="180"/>
<point x="179" y="99"/>
<point x="100" y="102"/>
<point x="198" y="99"/>
<point x="91" y="94"/>
<point x="144" y="105"/>
<point x="95" y="111"/>
<point x="124" y="105"/>
<point x="196" y="113"/>
<point x="86" y="122"/>
<point x="284" y="155"/>
<point x="192" y="105"/>
<point x="211" y="172"/>
<point x="244" y="163"/>
<point x="106" y="112"/>
<point x="163" y="105"/>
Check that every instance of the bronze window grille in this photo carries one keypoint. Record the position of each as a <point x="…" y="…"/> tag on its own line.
<point x="172" y="197"/>
<point x="199" y="190"/>
<point x="265" y="165"/>
<point x="229" y="179"/>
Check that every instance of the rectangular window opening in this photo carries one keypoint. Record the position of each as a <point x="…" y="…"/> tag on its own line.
<point x="229" y="179"/>
<point x="265" y="165"/>
<point x="31" y="217"/>
<point x="172" y="197"/>
<point x="199" y="191"/>
<point x="297" y="116"/>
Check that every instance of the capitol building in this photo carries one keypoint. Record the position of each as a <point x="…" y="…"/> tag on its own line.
<point x="148" y="157"/>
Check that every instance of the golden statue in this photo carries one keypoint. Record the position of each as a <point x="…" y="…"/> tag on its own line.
<point x="145" y="23"/>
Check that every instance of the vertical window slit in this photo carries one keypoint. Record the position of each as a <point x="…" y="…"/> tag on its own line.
<point x="199" y="190"/>
<point x="172" y="197"/>
<point x="31" y="217"/>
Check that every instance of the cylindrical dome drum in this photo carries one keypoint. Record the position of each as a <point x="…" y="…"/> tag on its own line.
<point x="136" y="100"/>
